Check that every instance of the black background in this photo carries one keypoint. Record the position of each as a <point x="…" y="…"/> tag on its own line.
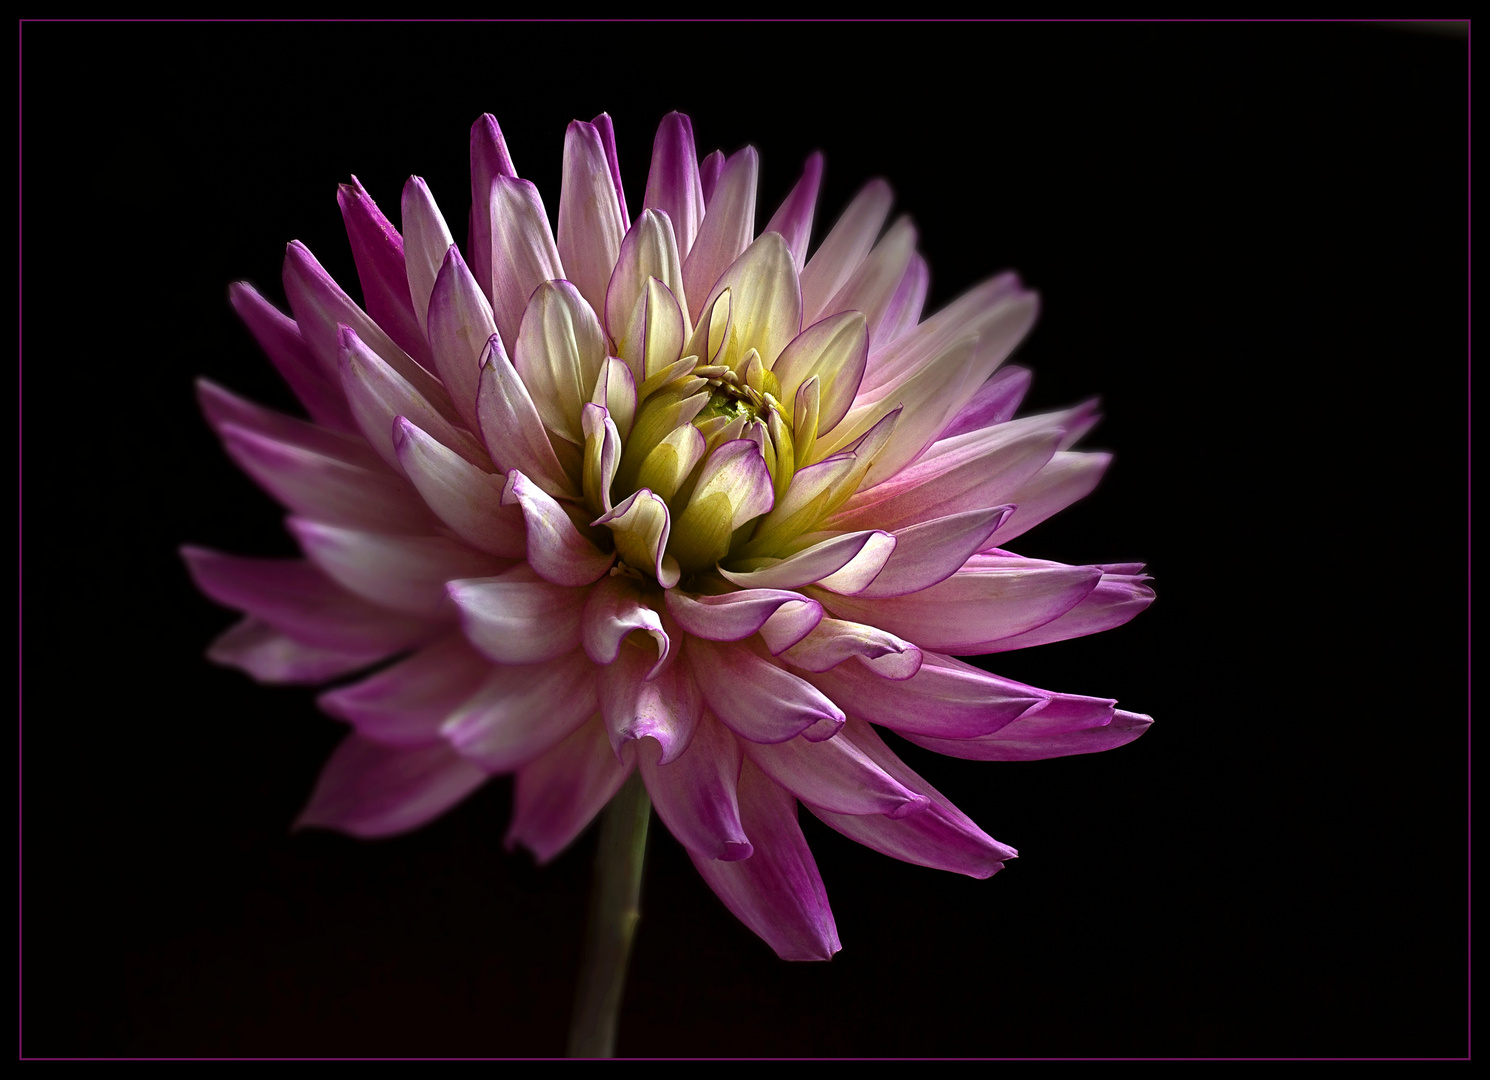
<point x="1251" y="241"/>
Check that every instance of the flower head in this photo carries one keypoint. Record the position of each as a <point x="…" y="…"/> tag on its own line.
<point x="654" y="493"/>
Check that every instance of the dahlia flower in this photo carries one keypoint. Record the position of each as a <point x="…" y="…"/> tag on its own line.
<point x="656" y="494"/>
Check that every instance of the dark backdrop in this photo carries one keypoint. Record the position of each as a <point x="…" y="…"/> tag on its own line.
<point x="1252" y="243"/>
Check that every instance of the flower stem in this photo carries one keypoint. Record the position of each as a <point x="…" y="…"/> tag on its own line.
<point x="615" y="909"/>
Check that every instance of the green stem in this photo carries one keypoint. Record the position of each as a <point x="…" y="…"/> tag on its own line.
<point x="615" y="909"/>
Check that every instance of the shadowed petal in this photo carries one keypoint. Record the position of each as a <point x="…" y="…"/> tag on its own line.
<point x="556" y="550"/>
<point x="833" y="641"/>
<point x="993" y="403"/>
<point x="255" y="647"/>
<point x="673" y="181"/>
<point x="726" y="230"/>
<point x="511" y="427"/>
<point x="489" y="160"/>
<point x="1066" y="478"/>
<point x="466" y="499"/>
<point x="222" y="407"/>
<point x="835" y="775"/>
<point x="517" y="618"/>
<point x="844" y="248"/>
<point x="378" y="252"/>
<point x="777" y="892"/>
<point x="590" y="222"/>
<point x="368" y="789"/>
<point x="427" y="242"/>
<point x="560" y="351"/>
<point x="523" y="252"/>
<point x="280" y="338"/>
<point x="933" y="551"/>
<point x="1075" y="725"/>
<point x="758" y="700"/>
<point x="516" y="714"/>
<point x="645" y="696"/>
<point x="793" y="220"/>
<point x="561" y="792"/>
<point x="694" y="794"/>
<point x="735" y="616"/>
<point x="460" y="324"/>
<point x="1117" y="598"/>
<point x="615" y="607"/>
<point x="405" y="704"/>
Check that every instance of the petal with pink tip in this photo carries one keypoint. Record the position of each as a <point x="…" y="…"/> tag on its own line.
<point x="300" y="601"/>
<point x="777" y="892"/>
<point x="511" y="427"/>
<point x="607" y="131"/>
<point x="735" y="616"/>
<point x="945" y="698"/>
<point x="280" y="338"/>
<point x="864" y="569"/>
<point x="807" y="566"/>
<point x="517" y="617"/>
<point x="428" y="239"/>
<point x="1038" y="737"/>
<point x="673" y="181"/>
<point x="405" y="704"/>
<point x="904" y="310"/>
<point x="466" y="499"/>
<point x="643" y="696"/>
<point x="377" y="394"/>
<point x="556" y="550"/>
<point x="932" y="551"/>
<point x="561" y="792"/>
<point x="974" y="607"/>
<point x="872" y="286"/>
<point x="694" y="794"/>
<point x="967" y="316"/>
<point x="1116" y="599"/>
<point x="793" y="220"/>
<point x="757" y="699"/>
<point x="835" y="775"/>
<point x="523" y="252"/>
<point x="993" y="403"/>
<point x="489" y="160"/>
<point x="765" y="306"/>
<point x="1066" y="478"/>
<point x="728" y="224"/>
<point x="615" y="607"/>
<point x="590" y="221"/>
<point x="844" y="248"/>
<point x="517" y="714"/>
<point x="404" y="573"/>
<point x="222" y="407"/>
<point x="378" y="252"/>
<point x="833" y="641"/>
<point x="460" y="325"/>
<point x="321" y="309"/>
<point x="326" y="488"/>
<point x="941" y="836"/>
<point x="255" y="647"/>
<point x="368" y="789"/>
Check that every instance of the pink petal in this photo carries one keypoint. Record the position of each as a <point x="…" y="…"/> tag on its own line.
<point x="1038" y="737"/>
<point x="298" y="600"/>
<point x="941" y="836"/>
<point x="282" y="342"/>
<point x="966" y="316"/>
<point x="777" y="892"/>
<point x="428" y="239"/>
<point x="321" y="309"/>
<point x="590" y="221"/>
<point x="835" y="775"/>
<point x="933" y="551"/>
<point x="511" y="427"/>
<point x="517" y="714"/>
<point x="728" y="225"/>
<point x="222" y="407"/>
<point x="255" y="647"/>
<point x="614" y="608"/>
<point x="405" y="704"/>
<point x="844" y="248"/>
<point x="1066" y="478"/>
<point x="945" y="698"/>
<point x="694" y="795"/>
<point x="735" y="616"/>
<point x="673" y="183"/>
<point x="833" y="641"/>
<point x="793" y="220"/>
<point x="806" y="566"/>
<point x="517" y="618"/>
<point x="523" y="252"/>
<point x="326" y="488"/>
<point x="561" y="792"/>
<point x="556" y="549"/>
<point x="404" y="573"/>
<point x="643" y="696"/>
<point x="757" y="699"/>
<point x="460" y="324"/>
<point x="872" y="287"/>
<point x="994" y="402"/>
<point x="607" y="132"/>
<point x="466" y="499"/>
<point x="378" y="252"/>
<point x="377" y="394"/>
<point x="489" y="160"/>
<point x="904" y="309"/>
<point x="560" y="351"/>
<point x="368" y="789"/>
<point x="1116" y="599"/>
<point x="974" y="607"/>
